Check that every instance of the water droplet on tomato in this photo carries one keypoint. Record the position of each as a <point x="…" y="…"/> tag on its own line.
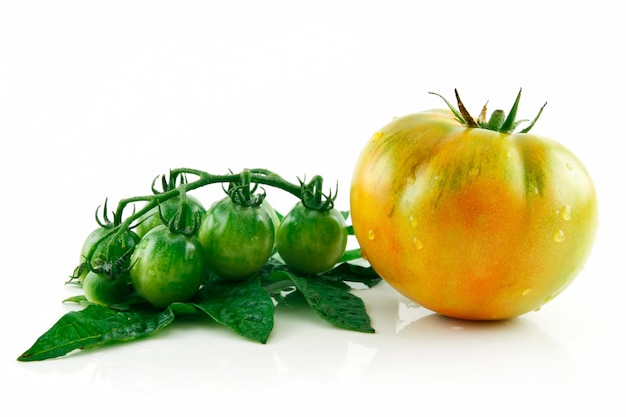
<point x="527" y="292"/>
<point x="413" y="221"/>
<point x="418" y="243"/>
<point x="559" y="236"/>
<point x="370" y="234"/>
<point x="566" y="212"/>
<point x="377" y="136"/>
<point x="569" y="166"/>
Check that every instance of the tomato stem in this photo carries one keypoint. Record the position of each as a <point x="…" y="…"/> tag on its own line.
<point x="499" y="120"/>
<point x="185" y="221"/>
<point x="170" y="190"/>
<point x="176" y="184"/>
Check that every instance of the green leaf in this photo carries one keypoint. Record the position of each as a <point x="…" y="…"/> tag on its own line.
<point x="183" y="309"/>
<point x="354" y="273"/>
<point x="93" y="326"/>
<point x="78" y="299"/>
<point x="244" y="307"/>
<point x="333" y="301"/>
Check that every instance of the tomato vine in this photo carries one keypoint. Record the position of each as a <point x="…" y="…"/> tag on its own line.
<point x="176" y="183"/>
<point x="169" y="269"/>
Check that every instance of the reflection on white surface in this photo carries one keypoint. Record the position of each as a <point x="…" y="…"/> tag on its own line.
<point x="485" y="354"/>
<point x="437" y="351"/>
<point x="411" y="342"/>
<point x="413" y="350"/>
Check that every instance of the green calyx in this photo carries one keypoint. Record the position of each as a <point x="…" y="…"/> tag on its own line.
<point x="314" y="198"/>
<point x="185" y="221"/>
<point x="243" y="192"/>
<point x="499" y="121"/>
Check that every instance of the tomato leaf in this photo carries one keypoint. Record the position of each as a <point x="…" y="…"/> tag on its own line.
<point x="332" y="301"/>
<point x="354" y="273"/>
<point x="244" y="307"/>
<point x="93" y="326"/>
<point x="184" y="309"/>
<point x="78" y="299"/>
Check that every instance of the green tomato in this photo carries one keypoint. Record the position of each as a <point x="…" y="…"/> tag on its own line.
<point x="168" y="209"/>
<point x="125" y="243"/>
<point x="273" y="216"/>
<point x="100" y="289"/>
<point x="311" y="241"/>
<point x="167" y="267"/>
<point x="237" y="240"/>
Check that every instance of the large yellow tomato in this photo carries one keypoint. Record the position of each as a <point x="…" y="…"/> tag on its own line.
<point x="472" y="222"/>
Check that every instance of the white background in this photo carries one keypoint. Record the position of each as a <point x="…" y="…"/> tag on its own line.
<point x="97" y="98"/>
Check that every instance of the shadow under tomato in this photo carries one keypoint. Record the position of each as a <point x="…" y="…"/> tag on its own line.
<point x="437" y="351"/>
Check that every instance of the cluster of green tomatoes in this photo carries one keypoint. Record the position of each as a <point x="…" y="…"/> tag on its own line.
<point x="165" y="252"/>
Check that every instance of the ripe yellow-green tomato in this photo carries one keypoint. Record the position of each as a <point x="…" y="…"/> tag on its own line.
<point x="472" y="222"/>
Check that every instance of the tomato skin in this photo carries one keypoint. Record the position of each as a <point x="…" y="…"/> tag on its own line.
<point x="167" y="267"/>
<point x="100" y="289"/>
<point x="237" y="240"/>
<point x="273" y="216"/>
<point x="311" y="241"/>
<point x="168" y="209"/>
<point x="468" y="222"/>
